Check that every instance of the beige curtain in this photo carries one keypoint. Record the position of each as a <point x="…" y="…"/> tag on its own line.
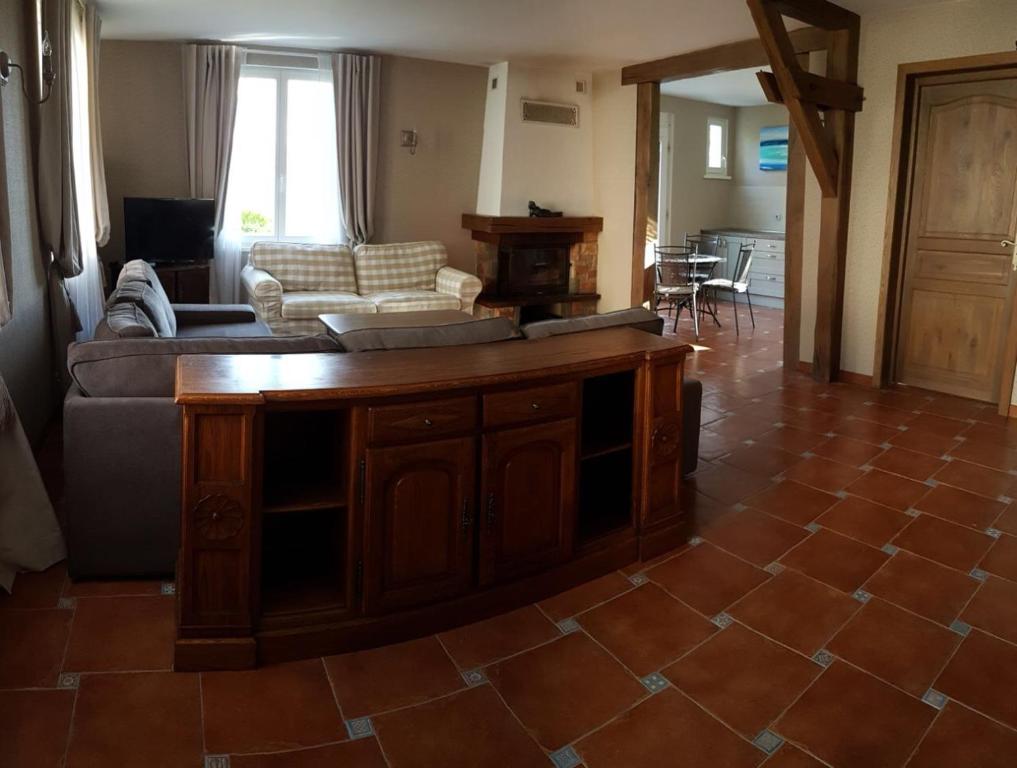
<point x="211" y="78"/>
<point x="356" y="80"/>
<point x="5" y="287"/>
<point x="100" y="200"/>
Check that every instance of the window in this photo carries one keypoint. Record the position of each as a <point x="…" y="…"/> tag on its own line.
<point x="283" y="175"/>
<point x="716" y="148"/>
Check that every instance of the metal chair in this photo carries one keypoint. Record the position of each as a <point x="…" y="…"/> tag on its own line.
<point x="740" y="283"/>
<point x="675" y="281"/>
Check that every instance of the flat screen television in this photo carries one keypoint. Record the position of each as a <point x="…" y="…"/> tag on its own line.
<point x="168" y="230"/>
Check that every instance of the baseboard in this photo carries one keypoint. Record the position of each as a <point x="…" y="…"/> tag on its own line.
<point x="1012" y="413"/>
<point x="847" y="377"/>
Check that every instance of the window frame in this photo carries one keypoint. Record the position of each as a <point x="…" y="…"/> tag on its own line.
<point x="283" y="73"/>
<point x="722" y="171"/>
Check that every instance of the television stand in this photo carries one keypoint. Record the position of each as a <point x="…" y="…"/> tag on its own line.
<point x="185" y="283"/>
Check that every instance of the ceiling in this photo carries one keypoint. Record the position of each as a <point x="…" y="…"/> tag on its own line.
<point x="737" y="88"/>
<point x="582" y="34"/>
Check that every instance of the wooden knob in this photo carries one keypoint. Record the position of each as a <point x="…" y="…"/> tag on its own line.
<point x="535" y="406"/>
<point x="428" y="422"/>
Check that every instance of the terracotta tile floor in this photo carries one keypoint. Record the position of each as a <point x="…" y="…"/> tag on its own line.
<point x="849" y="599"/>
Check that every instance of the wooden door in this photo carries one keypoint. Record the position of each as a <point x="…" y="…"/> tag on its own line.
<point x="958" y="277"/>
<point x="529" y="492"/>
<point x="418" y="523"/>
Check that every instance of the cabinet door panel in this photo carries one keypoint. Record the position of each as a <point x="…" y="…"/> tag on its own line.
<point x="418" y="523"/>
<point x="529" y="490"/>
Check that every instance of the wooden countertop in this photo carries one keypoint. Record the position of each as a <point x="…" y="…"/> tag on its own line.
<point x="765" y="234"/>
<point x="254" y="379"/>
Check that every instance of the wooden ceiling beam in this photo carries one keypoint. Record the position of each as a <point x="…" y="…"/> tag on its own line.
<point x="818" y="13"/>
<point x="721" y="58"/>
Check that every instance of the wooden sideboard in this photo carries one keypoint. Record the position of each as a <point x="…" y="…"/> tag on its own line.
<point x="339" y="501"/>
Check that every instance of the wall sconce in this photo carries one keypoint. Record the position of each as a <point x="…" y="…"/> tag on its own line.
<point x="48" y="73"/>
<point x="408" y="139"/>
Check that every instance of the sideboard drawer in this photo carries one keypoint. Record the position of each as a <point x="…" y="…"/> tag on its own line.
<point x="409" y="422"/>
<point x="519" y="406"/>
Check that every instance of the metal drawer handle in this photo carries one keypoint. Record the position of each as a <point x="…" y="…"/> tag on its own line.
<point x="428" y="422"/>
<point x="770" y="277"/>
<point x="535" y="406"/>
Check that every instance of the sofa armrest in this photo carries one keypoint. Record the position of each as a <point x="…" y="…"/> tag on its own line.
<point x="462" y="285"/>
<point x="263" y="291"/>
<point x="213" y="314"/>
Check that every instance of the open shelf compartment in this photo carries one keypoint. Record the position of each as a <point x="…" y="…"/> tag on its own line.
<point x="304" y="460"/>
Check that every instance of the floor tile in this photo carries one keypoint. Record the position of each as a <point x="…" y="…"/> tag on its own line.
<point x="994" y="609"/>
<point x="728" y="484"/>
<point x="864" y="520"/>
<point x="944" y="542"/>
<point x="377" y="680"/>
<point x="120" y="634"/>
<point x="303" y="712"/>
<point x="34" y="726"/>
<point x="961" y="507"/>
<point x="707" y="578"/>
<point x="795" y="610"/>
<point x="886" y="415"/>
<point x="743" y="678"/>
<point x="667" y="724"/>
<point x="983" y="675"/>
<point x="469" y="729"/>
<point x="978" y="479"/>
<point x="1007" y="521"/>
<point x="789" y="756"/>
<point x="360" y="753"/>
<point x="35" y="590"/>
<point x="32" y="647"/>
<point x="791" y="439"/>
<point x="585" y="596"/>
<point x="910" y="464"/>
<point x="896" y="646"/>
<point x="762" y="460"/>
<point x="565" y="689"/>
<point x="823" y="474"/>
<point x="940" y="426"/>
<point x="868" y="431"/>
<point x="476" y="645"/>
<point x="961" y="737"/>
<point x="848" y="450"/>
<point x="835" y="560"/>
<point x="122" y="588"/>
<point x="646" y="628"/>
<point x="850" y="719"/>
<point x="1002" y="558"/>
<point x="755" y="536"/>
<point x="147" y="718"/>
<point x="923" y="442"/>
<point x="923" y="587"/>
<point x="889" y="490"/>
<point x="987" y="454"/>
<point x="798" y="504"/>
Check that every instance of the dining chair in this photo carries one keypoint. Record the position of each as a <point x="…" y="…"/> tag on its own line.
<point x="675" y="282"/>
<point x="740" y="283"/>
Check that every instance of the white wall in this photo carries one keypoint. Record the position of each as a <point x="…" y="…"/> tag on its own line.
<point x="493" y="151"/>
<point x="614" y="153"/>
<point x="757" y="197"/>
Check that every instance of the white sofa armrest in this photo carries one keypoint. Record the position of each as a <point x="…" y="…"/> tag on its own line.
<point x="462" y="285"/>
<point x="263" y="291"/>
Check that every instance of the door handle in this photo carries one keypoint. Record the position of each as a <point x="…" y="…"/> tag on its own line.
<point x="1013" y="258"/>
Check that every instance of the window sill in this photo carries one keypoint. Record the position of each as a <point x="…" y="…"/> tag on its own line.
<point x="721" y="176"/>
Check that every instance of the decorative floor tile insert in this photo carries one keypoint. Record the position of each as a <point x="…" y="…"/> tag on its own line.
<point x="823" y="657"/>
<point x="768" y="741"/>
<point x="359" y="728"/>
<point x="474" y="677"/>
<point x="654" y="682"/>
<point x="568" y="625"/>
<point x="565" y="757"/>
<point x="217" y="761"/>
<point x="934" y="698"/>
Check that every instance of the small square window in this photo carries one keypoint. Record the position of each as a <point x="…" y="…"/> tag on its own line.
<point x="716" y="148"/>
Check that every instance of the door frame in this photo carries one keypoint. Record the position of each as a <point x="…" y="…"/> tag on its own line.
<point x="898" y="203"/>
<point x="666" y="181"/>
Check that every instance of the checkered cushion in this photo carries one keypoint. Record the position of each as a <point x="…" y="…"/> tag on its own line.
<point x="300" y="267"/>
<point x="307" y="305"/>
<point x="399" y="266"/>
<point x="413" y="301"/>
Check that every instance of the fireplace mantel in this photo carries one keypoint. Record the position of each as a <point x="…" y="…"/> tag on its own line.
<point x="584" y="228"/>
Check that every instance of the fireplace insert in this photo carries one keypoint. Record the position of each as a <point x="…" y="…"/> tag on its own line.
<point x="533" y="270"/>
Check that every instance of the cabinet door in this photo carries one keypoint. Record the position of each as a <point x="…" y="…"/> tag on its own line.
<point x="529" y="495"/>
<point x="418" y="520"/>
<point x="662" y="446"/>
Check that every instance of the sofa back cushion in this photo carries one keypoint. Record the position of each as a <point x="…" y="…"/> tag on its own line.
<point x="147" y="367"/>
<point x="151" y="301"/>
<point x="415" y="337"/>
<point x="304" y="267"/>
<point x="125" y="321"/>
<point x="637" y="317"/>
<point x="140" y="270"/>
<point x="399" y="266"/>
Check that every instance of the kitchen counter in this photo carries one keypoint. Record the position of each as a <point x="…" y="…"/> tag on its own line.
<point x="768" y="234"/>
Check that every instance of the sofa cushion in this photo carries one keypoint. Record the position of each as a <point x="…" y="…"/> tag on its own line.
<point x="143" y="295"/>
<point x="305" y="267"/>
<point x="125" y="321"/>
<point x="147" y="367"/>
<point x="241" y="330"/>
<point x="413" y="337"/>
<point x="307" y="305"/>
<point x="399" y="266"/>
<point x="138" y="269"/>
<point x="637" y="317"/>
<point x="410" y="301"/>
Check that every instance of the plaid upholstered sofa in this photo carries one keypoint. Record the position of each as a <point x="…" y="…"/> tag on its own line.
<point x="290" y="284"/>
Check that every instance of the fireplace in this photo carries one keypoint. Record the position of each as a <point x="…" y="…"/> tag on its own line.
<point x="533" y="270"/>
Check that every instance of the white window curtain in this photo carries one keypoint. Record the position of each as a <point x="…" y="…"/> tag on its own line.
<point x="85" y="289"/>
<point x="5" y="300"/>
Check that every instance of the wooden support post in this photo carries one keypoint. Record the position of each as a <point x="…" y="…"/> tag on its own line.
<point x="645" y="204"/>
<point x="794" y="239"/>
